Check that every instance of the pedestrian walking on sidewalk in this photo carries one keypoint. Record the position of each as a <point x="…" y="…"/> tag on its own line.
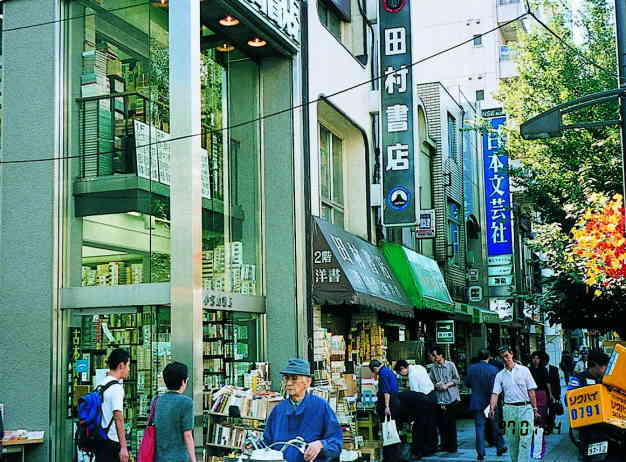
<point x="539" y="371"/>
<point x="567" y="365"/>
<point x="520" y="405"/>
<point x="115" y="448"/>
<point x="555" y="405"/>
<point x="420" y="407"/>
<point x="387" y="405"/>
<point x="173" y="418"/>
<point x="480" y="378"/>
<point x="446" y="379"/>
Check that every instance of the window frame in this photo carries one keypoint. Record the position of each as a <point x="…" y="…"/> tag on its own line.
<point x="362" y="59"/>
<point x="453" y="144"/>
<point x="453" y="221"/>
<point x="477" y="40"/>
<point x="330" y="202"/>
<point x="482" y="92"/>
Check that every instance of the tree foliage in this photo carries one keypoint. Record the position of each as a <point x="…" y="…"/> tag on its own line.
<point x="557" y="176"/>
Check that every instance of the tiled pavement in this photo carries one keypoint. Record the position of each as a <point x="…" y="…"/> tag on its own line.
<point x="559" y="448"/>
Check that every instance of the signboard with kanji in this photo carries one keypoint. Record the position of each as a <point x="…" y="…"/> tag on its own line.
<point x="445" y="332"/>
<point x="497" y="191"/>
<point x="350" y="271"/>
<point x="425" y="225"/>
<point x="398" y="160"/>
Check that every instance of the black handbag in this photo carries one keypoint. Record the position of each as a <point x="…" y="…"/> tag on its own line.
<point x="556" y="407"/>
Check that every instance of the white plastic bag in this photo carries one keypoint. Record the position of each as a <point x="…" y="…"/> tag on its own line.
<point x="538" y="449"/>
<point x="390" y="433"/>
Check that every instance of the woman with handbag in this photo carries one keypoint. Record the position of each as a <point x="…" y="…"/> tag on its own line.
<point x="171" y="414"/>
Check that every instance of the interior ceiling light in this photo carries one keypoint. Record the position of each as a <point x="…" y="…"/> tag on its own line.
<point x="257" y="42"/>
<point x="229" y="21"/>
<point x="161" y="3"/>
<point x="225" y="47"/>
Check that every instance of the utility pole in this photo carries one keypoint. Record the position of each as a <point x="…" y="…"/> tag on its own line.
<point x="620" y="27"/>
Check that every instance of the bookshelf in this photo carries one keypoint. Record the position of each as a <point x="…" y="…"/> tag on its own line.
<point x="145" y="333"/>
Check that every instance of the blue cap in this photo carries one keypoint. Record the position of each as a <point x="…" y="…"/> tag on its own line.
<point x="297" y="366"/>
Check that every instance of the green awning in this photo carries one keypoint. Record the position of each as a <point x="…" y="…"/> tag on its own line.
<point x="463" y="310"/>
<point x="484" y="316"/>
<point x="420" y="277"/>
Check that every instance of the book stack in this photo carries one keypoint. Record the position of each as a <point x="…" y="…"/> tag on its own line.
<point x="231" y="436"/>
<point x="249" y="404"/>
<point x="223" y="270"/>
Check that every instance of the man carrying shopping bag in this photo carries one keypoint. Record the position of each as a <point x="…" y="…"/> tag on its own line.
<point x="387" y="407"/>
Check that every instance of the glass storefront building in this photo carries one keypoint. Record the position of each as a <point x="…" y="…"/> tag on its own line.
<point x="100" y="236"/>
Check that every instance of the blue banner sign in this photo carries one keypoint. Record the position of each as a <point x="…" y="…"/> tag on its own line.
<point x="497" y="191"/>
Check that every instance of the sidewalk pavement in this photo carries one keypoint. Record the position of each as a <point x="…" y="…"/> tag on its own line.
<point x="559" y="448"/>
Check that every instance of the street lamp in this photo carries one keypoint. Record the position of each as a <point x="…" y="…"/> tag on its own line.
<point x="549" y="124"/>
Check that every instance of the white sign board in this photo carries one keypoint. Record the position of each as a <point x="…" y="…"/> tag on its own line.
<point x="499" y="270"/>
<point x="497" y="281"/>
<point x="153" y="153"/>
<point x="500" y="260"/>
<point x="502" y="306"/>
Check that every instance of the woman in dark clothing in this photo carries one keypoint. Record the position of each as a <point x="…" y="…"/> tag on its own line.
<point x="554" y="379"/>
<point x="567" y="365"/>
<point x="544" y="388"/>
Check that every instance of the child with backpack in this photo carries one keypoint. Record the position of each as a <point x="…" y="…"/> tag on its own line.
<point x="100" y="430"/>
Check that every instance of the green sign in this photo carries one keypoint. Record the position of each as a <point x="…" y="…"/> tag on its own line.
<point x="397" y="148"/>
<point x="445" y="332"/>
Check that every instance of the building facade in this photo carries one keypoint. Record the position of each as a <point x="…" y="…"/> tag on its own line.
<point x="158" y="222"/>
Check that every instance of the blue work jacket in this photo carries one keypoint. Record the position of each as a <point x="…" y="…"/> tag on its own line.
<point x="480" y="378"/>
<point x="313" y="420"/>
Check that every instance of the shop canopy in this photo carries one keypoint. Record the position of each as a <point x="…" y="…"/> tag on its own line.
<point x="483" y="315"/>
<point x="420" y="277"/>
<point x="350" y="271"/>
<point x="464" y="312"/>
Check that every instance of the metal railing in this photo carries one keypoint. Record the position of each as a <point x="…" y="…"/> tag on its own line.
<point x="108" y="144"/>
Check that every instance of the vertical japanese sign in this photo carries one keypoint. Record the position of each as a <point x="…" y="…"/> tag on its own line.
<point x="497" y="191"/>
<point x="399" y="172"/>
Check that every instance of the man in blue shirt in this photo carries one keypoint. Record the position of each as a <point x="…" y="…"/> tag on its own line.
<point x="387" y="404"/>
<point x="480" y="378"/>
<point x="304" y="415"/>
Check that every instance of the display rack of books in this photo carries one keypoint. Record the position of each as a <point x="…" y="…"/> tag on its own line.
<point x="234" y="414"/>
<point x="96" y="272"/>
<point x="223" y="270"/>
<point x="367" y="338"/>
<point x="145" y="333"/>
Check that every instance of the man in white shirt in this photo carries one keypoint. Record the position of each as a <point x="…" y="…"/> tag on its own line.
<point x="419" y="406"/>
<point x="115" y="448"/>
<point x="520" y="405"/>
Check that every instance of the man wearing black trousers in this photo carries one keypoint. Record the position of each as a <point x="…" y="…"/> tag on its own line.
<point x="387" y="404"/>
<point x="420" y="407"/>
<point x="446" y="379"/>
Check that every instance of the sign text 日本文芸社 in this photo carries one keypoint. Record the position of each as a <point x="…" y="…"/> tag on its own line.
<point x="497" y="191"/>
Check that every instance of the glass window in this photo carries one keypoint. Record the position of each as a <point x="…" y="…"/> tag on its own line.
<point x="231" y="347"/>
<point x="142" y="331"/>
<point x="480" y="95"/>
<point x="331" y="177"/>
<point x="478" y="40"/>
<point x="121" y="180"/>
<point x="352" y="34"/>
<point x="330" y="19"/>
<point x="453" y="232"/>
<point x="231" y="221"/>
<point x="506" y="53"/>
<point x="452" y="142"/>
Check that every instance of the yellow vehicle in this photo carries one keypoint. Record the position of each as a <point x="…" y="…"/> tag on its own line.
<point x="597" y="411"/>
<point x="595" y="404"/>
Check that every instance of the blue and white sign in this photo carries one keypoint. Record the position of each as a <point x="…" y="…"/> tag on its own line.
<point x="497" y="191"/>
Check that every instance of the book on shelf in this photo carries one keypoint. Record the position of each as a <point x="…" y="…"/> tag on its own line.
<point x="247" y="404"/>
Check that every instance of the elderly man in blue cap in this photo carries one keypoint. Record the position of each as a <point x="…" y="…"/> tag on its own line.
<point x="305" y="415"/>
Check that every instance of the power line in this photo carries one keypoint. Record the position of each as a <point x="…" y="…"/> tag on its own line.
<point x="273" y="114"/>
<point x="572" y="47"/>
<point x="71" y="18"/>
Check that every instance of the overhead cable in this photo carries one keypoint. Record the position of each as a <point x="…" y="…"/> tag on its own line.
<point x="273" y="114"/>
